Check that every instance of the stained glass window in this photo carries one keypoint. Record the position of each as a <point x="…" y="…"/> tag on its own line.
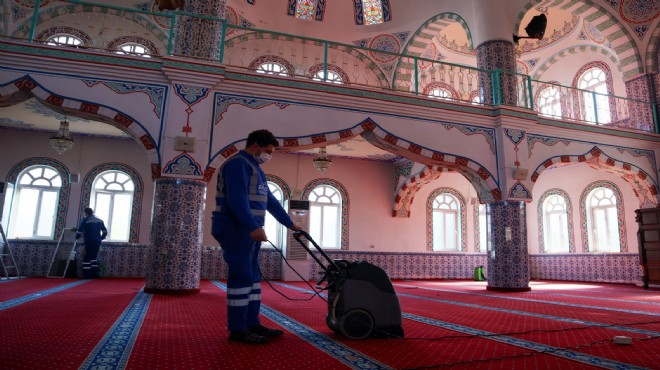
<point x="373" y="11"/>
<point x="307" y="9"/>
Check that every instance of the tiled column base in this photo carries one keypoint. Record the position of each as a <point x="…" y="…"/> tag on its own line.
<point x="197" y="37"/>
<point x="508" y="262"/>
<point x="498" y="55"/>
<point x="173" y="262"/>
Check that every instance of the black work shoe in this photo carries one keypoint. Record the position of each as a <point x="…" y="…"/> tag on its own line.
<point x="246" y="337"/>
<point x="264" y="331"/>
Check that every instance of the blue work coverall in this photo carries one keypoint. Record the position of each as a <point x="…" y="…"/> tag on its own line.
<point x="94" y="231"/>
<point x="242" y="200"/>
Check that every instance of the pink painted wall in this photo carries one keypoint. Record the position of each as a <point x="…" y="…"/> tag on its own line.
<point x="87" y="153"/>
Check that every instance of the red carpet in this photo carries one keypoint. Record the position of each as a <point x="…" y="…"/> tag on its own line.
<point x="59" y="330"/>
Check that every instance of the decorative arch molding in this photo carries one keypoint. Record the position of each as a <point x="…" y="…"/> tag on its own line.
<point x="575" y="50"/>
<point x="619" y="210"/>
<point x="83" y="36"/>
<point x="541" y="220"/>
<point x="344" y="203"/>
<point x="617" y="34"/>
<point x="63" y="201"/>
<point x="290" y="69"/>
<point x="405" y="194"/>
<point x="26" y="87"/>
<point x="137" y="194"/>
<point x="653" y="53"/>
<point x="423" y="37"/>
<point x="116" y="43"/>
<point x="429" y="216"/>
<point x="442" y="85"/>
<point x="354" y="52"/>
<point x="643" y="184"/>
<point x="49" y="13"/>
<point x="481" y="178"/>
<point x="286" y="190"/>
<point x="313" y="70"/>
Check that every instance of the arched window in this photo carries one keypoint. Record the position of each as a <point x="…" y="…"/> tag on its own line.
<point x="133" y="48"/>
<point x="35" y="205"/>
<point x="326" y="216"/>
<point x="332" y="76"/>
<point x="307" y="9"/>
<point x="602" y="221"/>
<point x="440" y="93"/>
<point x="272" y="68"/>
<point x="274" y="229"/>
<point x="595" y="102"/>
<point x="112" y="201"/>
<point x="549" y="102"/>
<point x="483" y="229"/>
<point x="64" y="39"/>
<point x="441" y="90"/>
<point x="446" y="219"/>
<point x="555" y="225"/>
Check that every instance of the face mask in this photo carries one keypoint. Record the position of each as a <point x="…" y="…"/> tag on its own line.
<point x="263" y="158"/>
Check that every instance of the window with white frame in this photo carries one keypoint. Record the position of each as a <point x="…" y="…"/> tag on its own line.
<point x="440" y="93"/>
<point x="274" y="230"/>
<point x="325" y="216"/>
<point x="134" y="48"/>
<point x="332" y="76"/>
<point x="550" y="102"/>
<point x="112" y="201"/>
<point x="483" y="229"/>
<point x="272" y="68"/>
<point x="555" y="224"/>
<point x="602" y="221"/>
<point x="596" y="101"/>
<point x="64" y="39"/>
<point x="34" y="209"/>
<point x="446" y="223"/>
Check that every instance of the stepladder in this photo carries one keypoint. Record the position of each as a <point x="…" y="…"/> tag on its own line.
<point x="65" y="252"/>
<point x="7" y="261"/>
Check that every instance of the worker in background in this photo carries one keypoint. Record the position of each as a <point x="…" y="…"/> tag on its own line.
<point x="94" y="231"/>
<point x="242" y="199"/>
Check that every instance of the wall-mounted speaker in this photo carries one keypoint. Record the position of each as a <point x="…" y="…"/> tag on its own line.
<point x="74" y="178"/>
<point x="520" y="174"/>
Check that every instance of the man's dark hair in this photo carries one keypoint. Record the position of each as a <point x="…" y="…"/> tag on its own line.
<point x="263" y="138"/>
<point x="88" y="211"/>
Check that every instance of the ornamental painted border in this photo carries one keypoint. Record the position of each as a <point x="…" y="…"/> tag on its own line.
<point x="63" y="198"/>
<point x="136" y="211"/>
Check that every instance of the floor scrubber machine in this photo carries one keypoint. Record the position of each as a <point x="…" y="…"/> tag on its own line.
<point x="362" y="302"/>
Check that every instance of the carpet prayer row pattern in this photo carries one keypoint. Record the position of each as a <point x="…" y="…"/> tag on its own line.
<point x="113" y="324"/>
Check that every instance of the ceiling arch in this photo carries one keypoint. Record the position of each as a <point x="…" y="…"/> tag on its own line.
<point x="576" y="49"/>
<point x="630" y="60"/>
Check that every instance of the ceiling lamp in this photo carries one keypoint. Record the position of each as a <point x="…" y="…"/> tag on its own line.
<point x="535" y="29"/>
<point x="62" y="141"/>
<point x="321" y="161"/>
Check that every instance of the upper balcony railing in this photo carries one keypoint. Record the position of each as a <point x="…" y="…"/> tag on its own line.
<point x="324" y="61"/>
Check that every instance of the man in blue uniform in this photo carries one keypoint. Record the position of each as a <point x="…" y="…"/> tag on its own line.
<point x="94" y="231"/>
<point x="242" y="200"/>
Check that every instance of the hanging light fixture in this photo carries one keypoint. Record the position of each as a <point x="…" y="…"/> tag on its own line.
<point x="321" y="161"/>
<point x="62" y="141"/>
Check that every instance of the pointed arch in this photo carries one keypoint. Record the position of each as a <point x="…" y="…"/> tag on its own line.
<point x="604" y="20"/>
<point x="422" y="38"/>
<point x="575" y="49"/>
<point x="406" y="192"/>
<point x="643" y="184"/>
<point x="652" y="58"/>
<point x="26" y="87"/>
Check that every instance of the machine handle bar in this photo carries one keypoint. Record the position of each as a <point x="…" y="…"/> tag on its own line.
<point x="297" y="235"/>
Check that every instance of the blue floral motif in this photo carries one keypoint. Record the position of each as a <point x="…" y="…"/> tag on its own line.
<point x="514" y="135"/>
<point x="183" y="165"/>
<point x="519" y="191"/>
<point x="156" y="94"/>
<point x="191" y="94"/>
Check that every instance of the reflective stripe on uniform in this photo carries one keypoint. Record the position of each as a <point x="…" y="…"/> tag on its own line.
<point x="237" y="302"/>
<point x="239" y="291"/>
<point x="254" y="297"/>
